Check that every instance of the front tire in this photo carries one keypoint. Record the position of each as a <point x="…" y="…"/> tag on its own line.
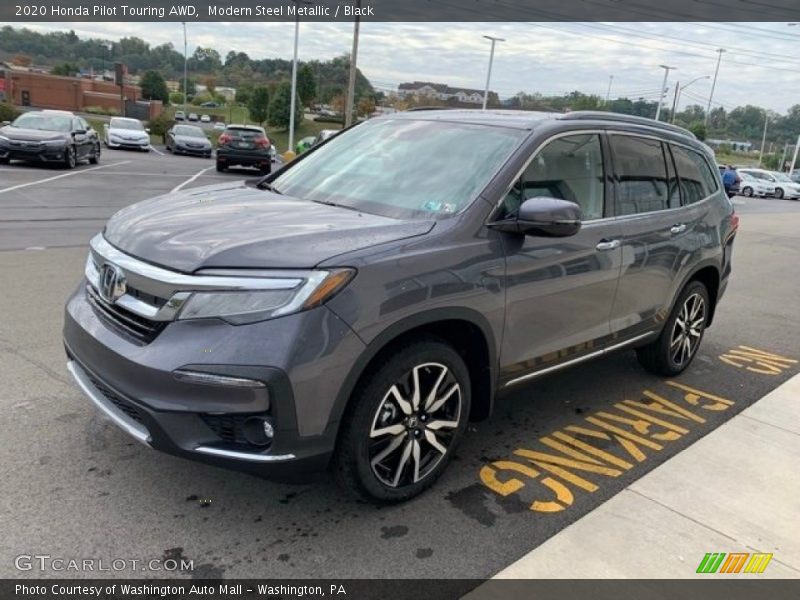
<point x="748" y="191"/>
<point x="221" y="167"/>
<point x="779" y="193"/>
<point x="70" y="157"/>
<point x="95" y="156"/>
<point x="677" y="345"/>
<point x="404" y="423"/>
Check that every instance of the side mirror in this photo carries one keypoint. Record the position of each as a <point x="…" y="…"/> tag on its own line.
<point x="4" y="123"/>
<point x="147" y="130"/>
<point x="544" y="216"/>
<point x="79" y="132"/>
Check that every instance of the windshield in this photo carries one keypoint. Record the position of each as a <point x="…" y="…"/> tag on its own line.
<point x="44" y="122"/>
<point x="402" y="168"/>
<point x="189" y="131"/>
<point x="126" y="124"/>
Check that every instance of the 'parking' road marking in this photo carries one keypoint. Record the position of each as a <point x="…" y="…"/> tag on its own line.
<point x="30" y="183"/>
<point x="188" y="181"/>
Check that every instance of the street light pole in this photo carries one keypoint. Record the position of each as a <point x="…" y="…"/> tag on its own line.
<point x="608" y="92"/>
<point x="713" y="86"/>
<point x="667" y="69"/>
<point x="679" y="89"/>
<point x="489" y="72"/>
<point x="292" y="102"/>
<point x="794" y="158"/>
<point x="351" y="81"/>
<point x="763" y="138"/>
<point x="185" y="70"/>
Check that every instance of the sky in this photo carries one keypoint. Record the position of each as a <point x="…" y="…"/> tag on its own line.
<point x="760" y="65"/>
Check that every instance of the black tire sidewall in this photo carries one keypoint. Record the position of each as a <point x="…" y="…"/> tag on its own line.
<point x="369" y="398"/>
<point x="71" y="158"/>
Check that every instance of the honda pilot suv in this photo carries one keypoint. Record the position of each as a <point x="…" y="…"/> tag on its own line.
<point x="354" y="309"/>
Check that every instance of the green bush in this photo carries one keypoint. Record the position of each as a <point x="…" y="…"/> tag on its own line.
<point x="8" y="112"/>
<point x="160" y="125"/>
<point x="176" y="98"/>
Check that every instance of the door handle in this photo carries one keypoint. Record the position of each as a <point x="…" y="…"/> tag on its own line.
<point x="676" y="229"/>
<point x="605" y="245"/>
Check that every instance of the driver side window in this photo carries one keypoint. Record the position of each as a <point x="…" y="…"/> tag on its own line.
<point x="568" y="168"/>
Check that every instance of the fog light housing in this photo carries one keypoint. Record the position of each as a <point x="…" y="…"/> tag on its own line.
<point x="258" y="431"/>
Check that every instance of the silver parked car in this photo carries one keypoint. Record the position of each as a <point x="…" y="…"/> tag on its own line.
<point x="783" y="184"/>
<point x="122" y="132"/>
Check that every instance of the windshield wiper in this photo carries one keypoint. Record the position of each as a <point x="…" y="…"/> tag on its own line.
<point x="265" y="185"/>
<point x="329" y="203"/>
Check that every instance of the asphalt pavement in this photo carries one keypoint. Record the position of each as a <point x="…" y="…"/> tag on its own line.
<point x="76" y="487"/>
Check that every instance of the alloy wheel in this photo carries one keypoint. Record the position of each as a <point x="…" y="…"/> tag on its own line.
<point x="687" y="330"/>
<point x="415" y="425"/>
<point x="71" y="159"/>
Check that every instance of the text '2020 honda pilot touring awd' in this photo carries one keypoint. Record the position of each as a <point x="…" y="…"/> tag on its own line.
<point x="357" y="307"/>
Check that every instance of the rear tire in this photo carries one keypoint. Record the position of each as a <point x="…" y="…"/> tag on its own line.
<point x="680" y="339"/>
<point x="390" y="450"/>
<point x="748" y="191"/>
<point x="95" y="156"/>
<point x="4" y="161"/>
<point x="221" y="167"/>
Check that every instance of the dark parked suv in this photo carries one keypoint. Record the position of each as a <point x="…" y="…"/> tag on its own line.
<point x="358" y="306"/>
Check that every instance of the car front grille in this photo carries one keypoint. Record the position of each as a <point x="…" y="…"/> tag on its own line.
<point x="128" y="408"/>
<point x="127" y="324"/>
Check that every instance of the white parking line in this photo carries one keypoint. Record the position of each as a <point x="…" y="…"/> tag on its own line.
<point x="70" y="174"/>
<point x="188" y="181"/>
<point x="156" y="151"/>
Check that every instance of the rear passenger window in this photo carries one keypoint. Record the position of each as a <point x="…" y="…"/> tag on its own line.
<point x="642" y="175"/>
<point x="696" y="177"/>
<point x="569" y="168"/>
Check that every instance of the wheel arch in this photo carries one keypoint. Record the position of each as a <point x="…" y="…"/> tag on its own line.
<point x="707" y="273"/>
<point x="466" y="330"/>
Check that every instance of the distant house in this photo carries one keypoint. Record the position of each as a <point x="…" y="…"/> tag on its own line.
<point x="228" y="93"/>
<point x="441" y="91"/>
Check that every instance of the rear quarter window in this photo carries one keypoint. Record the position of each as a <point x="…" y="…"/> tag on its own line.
<point x="697" y="179"/>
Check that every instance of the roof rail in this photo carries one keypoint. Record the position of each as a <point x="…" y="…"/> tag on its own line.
<point x="593" y="115"/>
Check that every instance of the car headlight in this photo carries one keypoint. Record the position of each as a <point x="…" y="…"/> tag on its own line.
<point x="277" y="295"/>
<point x="4" y="138"/>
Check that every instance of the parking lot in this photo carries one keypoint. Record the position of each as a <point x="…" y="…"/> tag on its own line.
<point x="75" y="486"/>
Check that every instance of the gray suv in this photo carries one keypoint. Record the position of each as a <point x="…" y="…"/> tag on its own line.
<point x="356" y="308"/>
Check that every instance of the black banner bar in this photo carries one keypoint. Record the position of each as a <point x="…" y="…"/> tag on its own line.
<point x="16" y="11"/>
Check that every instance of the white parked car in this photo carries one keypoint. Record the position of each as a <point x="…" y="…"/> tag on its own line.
<point x="219" y="126"/>
<point x="205" y="119"/>
<point x="754" y="186"/>
<point x="784" y="186"/>
<point x="122" y="132"/>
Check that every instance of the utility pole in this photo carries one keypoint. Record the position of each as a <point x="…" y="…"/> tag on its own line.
<point x="675" y="101"/>
<point x="489" y="72"/>
<point x="794" y="158"/>
<point x="293" y="100"/>
<point x="763" y="138"/>
<point x="667" y="69"/>
<point x="713" y="86"/>
<point x="783" y="156"/>
<point x="185" y="67"/>
<point x="608" y="92"/>
<point x="351" y="81"/>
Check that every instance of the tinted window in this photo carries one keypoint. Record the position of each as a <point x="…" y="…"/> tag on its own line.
<point x="570" y="168"/>
<point x="697" y="179"/>
<point x="673" y="185"/>
<point x="642" y="175"/>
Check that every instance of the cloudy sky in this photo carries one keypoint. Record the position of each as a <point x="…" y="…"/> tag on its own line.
<point x="761" y="64"/>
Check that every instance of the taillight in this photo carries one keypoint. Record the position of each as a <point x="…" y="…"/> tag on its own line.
<point x="225" y="138"/>
<point x="262" y="142"/>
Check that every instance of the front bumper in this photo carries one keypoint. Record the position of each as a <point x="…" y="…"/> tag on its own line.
<point x="129" y="144"/>
<point x="135" y="386"/>
<point x="205" y="152"/>
<point x="33" y="154"/>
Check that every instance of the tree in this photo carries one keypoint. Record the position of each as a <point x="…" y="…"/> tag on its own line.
<point x="244" y="93"/>
<point x="154" y="87"/>
<point x="698" y="128"/>
<point x="306" y="84"/>
<point x="211" y="84"/>
<point x="190" y="84"/>
<point x="176" y="98"/>
<point x="21" y="60"/>
<point x="66" y="70"/>
<point x="280" y="107"/>
<point x="366" y="106"/>
<point x="259" y="104"/>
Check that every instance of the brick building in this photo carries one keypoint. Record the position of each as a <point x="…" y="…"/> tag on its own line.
<point x="43" y="90"/>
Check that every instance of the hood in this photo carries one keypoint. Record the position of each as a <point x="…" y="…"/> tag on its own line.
<point x="31" y="135"/>
<point x="237" y="226"/>
<point x="131" y="134"/>
<point x="188" y="139"/>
